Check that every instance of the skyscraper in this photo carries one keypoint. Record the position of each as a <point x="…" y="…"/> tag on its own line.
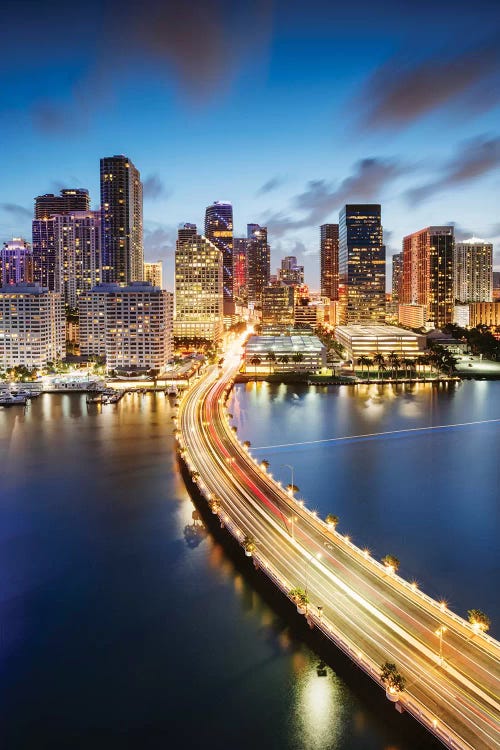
<point x="258" y="262"/>
<point x="16" y="262"/>
<point x="291" y="273"/>
<point x="44" y="250"/>
<point x="240" y="270"/>
<point x="397" y="276"/>
<point x="474" y="271"/>
<point x="428" y="272"/>
<point x="362" y="263"/>
<point x="219" y="230"/>
<point x="199" y="306"/>
<point x="153" y="272"/>
<point x="77" y="241"/>
<point x="329" y="259"/>
<point x="69" y="199"/>
<point x="122" y="231"/>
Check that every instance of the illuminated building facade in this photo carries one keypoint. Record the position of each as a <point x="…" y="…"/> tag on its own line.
<point x="219" y="230"/>
<point x="199" y="302"/>
<point x="367" y="340"/>
<point x="292" y="353"/>
<point x="121" y="226"/>
<point x="77" y="241"/>
<point x="397" y="276"/>
<point x="428" y="277"/>
<point x="290" y="272"/>
<point x="258" y="263"/>
<point x="474" y="271"/>
<point x="16" y="262"/>
<point x="484" y="313"/>
<point x="69" y="199"/>
<point x="153" y="272"/>
<point x="131" y="326"/>
<point x="240" y="270"/>
<point x="413" y="316"/>
<point x="32" y="326"/>
<point x="362" y="263"/>
<point x="278" y="305"/>
<point x="329" y="259"/>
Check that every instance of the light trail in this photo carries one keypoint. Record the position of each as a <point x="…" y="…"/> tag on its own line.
<point x="376" y="434"/>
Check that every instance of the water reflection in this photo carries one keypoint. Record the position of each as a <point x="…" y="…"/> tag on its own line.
<point x="318" y="709"/>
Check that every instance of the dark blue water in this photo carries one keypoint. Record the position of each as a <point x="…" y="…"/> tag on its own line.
<point x="125" y="624"/>
<point x="429" y="496"/>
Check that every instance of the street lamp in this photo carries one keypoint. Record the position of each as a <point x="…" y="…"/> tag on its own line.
<point x="440" y="632"/>
<point x="306" y="567"/>
<point x="291" y="488"/>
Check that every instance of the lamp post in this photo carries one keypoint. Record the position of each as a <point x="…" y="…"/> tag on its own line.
<point x="306" y="567"/>
<point x="292" y="486"/>
<point x="440" y="632"/>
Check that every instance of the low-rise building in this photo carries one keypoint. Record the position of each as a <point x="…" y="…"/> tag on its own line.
<point x="130" y="326"/>
<point x="367" y="340"/>
<point x="32" y="326"/>
<point x="284" y="354"/>
<point x="412" y="315"/>
<point x="461" y="315"/>
<point x="484" y="313"/>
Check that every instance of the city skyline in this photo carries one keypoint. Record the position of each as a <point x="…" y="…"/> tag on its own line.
<point x="430" y="159"/>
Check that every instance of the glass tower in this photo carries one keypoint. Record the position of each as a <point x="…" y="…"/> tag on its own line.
<point x="258" y="262"/>
<point x="329" y="254"/>
<point x="219" y="230"/>
<point x="121" y="227"/>
<point x="362" y="263"/>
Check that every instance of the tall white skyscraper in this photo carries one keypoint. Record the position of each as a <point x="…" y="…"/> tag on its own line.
<point x="474" y="271"/>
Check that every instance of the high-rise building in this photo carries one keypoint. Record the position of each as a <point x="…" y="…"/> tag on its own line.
<point x="290" y="272"/>
<point x="496" y="285"/>
<point x="131" y="326"/>
<point x="44" y="253"/>
<point x="428" y="272"/>
<point x="362" y="263"/>
<point x="474" y="271"/>
<point x="199" y="302"/>
<point x="240" y="270"/>
<point x="16" y="262"/>
<point x="258" y="263"/>
<point x="278" y="305"/>
<point x="77" y="242"/>
<point x="219" y="230"/>
<point x="397" y="276"/>
<point x="329" y="259"/>
<point x="121" y="227"/>
<point x="32" y="326"/>
<point x="153" y="272"/>
<point x="69" y="199"/>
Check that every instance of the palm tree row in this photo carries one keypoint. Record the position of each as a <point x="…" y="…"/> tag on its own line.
<point x="438" y="360"/>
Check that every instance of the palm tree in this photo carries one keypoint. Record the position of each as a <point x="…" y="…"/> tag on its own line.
<point x="332" y="520"/>
<point x="394" y="681"/>
<point x="298" y="357"/>
<point x="395" y="362"/>
<point x="249" y="545"/>
<point x="301" y="599"/>
<point x="363" y="361"/>
<point x="379" y="360"/>
<point x="479" y="620"/>
<point x="284" y="359"/>
<point x="255" y="361"/>
<point x="391" y="562"/>
<point x="271" y="357"/>
<point x="410" y="364"/>
<point x="368" y="363"/>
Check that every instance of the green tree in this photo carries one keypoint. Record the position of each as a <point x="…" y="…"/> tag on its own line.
<point x="271" y="358"/>
<point x="298" y="357"/>
<point x="392" y="678"/>
<point x="255" y="361"/>
<point x="379" y="360"/>
<point x="332" y="520"/>
<point x="391" y="562"/>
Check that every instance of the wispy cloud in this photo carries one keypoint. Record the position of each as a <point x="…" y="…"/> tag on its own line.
<point x="405" y="89"/>
<point x="17" y="211"/>
<point x="270" y="185"/>
<point x="153" y="188"/>
<point x="321" y="199"/>
<point x="474" y="159"/>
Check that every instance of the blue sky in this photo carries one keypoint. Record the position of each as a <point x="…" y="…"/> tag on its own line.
<point x="288" y="110"/>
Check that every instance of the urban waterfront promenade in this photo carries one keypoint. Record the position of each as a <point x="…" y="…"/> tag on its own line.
<point x="373" y="615"/>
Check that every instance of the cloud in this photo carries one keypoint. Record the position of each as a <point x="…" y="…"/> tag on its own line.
<point x="159" y="240"/>
<point x="321" y="199"/>
<point x="197" y="47"/>
<point x="270" y="185"/>
<point x="154" y="188"/>
<point x="404" y="90"/>
<point x="19" y="212"/>
<point x="473" y="159"/>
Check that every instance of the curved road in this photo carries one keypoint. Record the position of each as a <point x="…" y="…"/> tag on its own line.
<point x="372" y="615"/>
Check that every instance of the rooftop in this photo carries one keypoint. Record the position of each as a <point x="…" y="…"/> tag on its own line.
<point x="284" y="344"/>
<point x="374" y="331"/>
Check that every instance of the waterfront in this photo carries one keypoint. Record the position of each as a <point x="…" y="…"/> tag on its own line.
<point x="104" y="590"/>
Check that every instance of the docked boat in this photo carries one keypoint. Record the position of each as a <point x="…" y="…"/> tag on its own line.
<point x="172" y="390"/>
<point x="12" y="399"/>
